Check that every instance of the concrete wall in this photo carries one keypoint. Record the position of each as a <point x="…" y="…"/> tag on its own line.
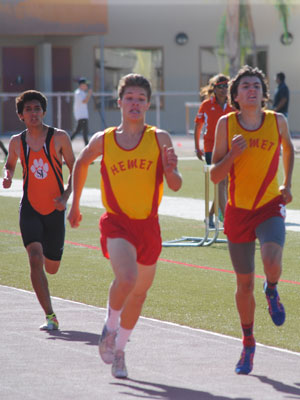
<point x="282" y="58"/>
<point x="155" y="23"/>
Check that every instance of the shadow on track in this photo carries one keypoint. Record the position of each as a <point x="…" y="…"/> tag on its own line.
<point x="280" y="386"/>
<point x="91" y="339"/>
<point x="151" y="390"/>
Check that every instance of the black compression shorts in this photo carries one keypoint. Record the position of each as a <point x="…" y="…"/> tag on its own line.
<point x="49" y="230"/>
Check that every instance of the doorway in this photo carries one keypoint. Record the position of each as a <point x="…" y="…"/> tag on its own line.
<point x="18" y="75"/>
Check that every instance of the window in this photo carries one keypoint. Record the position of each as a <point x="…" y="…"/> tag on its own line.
<point x="261" y="59"/>
<point x="213" y="62"/>
<point x="122" y="61"/>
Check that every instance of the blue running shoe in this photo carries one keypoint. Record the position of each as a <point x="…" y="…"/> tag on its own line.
<point x="276" y="309"/>
<point x="245" y="364"/>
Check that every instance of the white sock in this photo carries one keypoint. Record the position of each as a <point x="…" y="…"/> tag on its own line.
<point x="112" y="319"/>
<point x="122" y="338"/>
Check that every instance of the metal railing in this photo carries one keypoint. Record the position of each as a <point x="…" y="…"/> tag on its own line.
<point x="157" y="101"/>
<point x="188" y="105"/>
<point x="157" y="98"/>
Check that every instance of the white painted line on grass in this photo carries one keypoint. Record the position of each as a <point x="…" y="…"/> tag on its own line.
<point x="180" y="207"/>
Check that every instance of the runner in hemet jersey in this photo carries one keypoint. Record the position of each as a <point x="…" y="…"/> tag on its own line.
<point x="247" y="149"/>
<point x="41" y="150"/>
<point x="136" y="157"/>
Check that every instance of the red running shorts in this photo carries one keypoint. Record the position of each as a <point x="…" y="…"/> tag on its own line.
<point x="240" y="224"/>
<point x="143" y="234"/>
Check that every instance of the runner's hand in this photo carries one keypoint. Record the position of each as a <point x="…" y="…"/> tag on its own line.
<point x="238" y="145"/>
<point x="60" y="203"/>
<point x="286" y="193"/>
<point x="7" y="180"/>
<point x="169" y="159"/>
<point x="74" y="217"/>
<point x="200" y="154"/>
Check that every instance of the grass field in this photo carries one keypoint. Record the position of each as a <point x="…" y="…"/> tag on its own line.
<point x="183" y="292"/>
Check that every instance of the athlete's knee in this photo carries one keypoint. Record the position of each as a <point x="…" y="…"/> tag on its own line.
<point x="272" y="265"/>
<point x="272" y="260"/>
<point x="272" y="257"/>
<point x="35" y="256"/>
<point x="245" y="287"/>
<point x="51" y="266"/>
<point x="139" y="298"/>
<point x="127" y="281"/>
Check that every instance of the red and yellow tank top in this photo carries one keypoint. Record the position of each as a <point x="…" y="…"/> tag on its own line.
<point x="253" y="176"/>
<point x="132" y="180"/>
<point x="42" y="174"/>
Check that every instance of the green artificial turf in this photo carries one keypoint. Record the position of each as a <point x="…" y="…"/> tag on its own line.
<point x="183" y="292"/>
<point x="193" y="286"/>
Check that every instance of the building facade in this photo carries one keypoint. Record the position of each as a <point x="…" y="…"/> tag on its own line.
<point x="174" y="43"/>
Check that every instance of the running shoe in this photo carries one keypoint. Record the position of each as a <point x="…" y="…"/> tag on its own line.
<point x="51" y="323"/>
<point x="107" y="344"/>
<point x="276" y="309"/>
<point x="118" y="368"/>
<point x="245" y="364"/>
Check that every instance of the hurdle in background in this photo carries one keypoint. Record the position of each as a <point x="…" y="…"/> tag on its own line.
<point x="211" y="234"/>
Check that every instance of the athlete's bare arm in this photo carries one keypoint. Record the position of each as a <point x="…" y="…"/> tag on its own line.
<point x="93" y="150"/>
<point x="287" y="158"/>
<point x="12" y="158"/>
<point x="222" y="159"/>
<point x="197" y="134"/>
<point x="169" y="159"/>
<point x="64" y="151"/>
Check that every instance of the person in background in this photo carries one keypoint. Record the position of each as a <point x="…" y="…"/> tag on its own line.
<point x="41" y="150"/>
<point x="247" y="149"/>
<point x="215" y="105"/>
<point x="3" y="148"/>
<point x="135" y="159"/>
<point x="282" y="95"/>
<point x="82" y="96"/>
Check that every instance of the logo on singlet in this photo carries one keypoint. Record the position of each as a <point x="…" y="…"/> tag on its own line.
<point x="39" y="169"/>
